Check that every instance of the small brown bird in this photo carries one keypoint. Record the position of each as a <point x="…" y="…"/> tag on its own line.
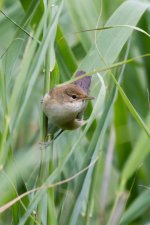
<point x="64" y="106"/>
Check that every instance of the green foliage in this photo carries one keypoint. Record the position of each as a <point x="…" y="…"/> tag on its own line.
<point x="96" y="174"/>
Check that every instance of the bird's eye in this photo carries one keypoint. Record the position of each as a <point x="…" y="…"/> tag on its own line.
<point x="74" y="96"/>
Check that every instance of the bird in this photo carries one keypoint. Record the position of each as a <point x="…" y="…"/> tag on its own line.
<point x="65" y="105"/>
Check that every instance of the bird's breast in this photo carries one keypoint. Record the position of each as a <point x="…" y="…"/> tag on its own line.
<point x="60" y="114"/>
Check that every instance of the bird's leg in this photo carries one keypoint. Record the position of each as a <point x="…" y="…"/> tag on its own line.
<point x="59" y="133"/>
<point x="47" y="143"/>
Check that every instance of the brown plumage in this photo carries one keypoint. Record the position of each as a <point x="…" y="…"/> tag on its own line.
<point x="64" y="106"/>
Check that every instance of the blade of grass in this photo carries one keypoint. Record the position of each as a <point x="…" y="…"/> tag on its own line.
<point x="26" y="32"/>
<point x="140" y="151"/>
<point x="140" y="205"/>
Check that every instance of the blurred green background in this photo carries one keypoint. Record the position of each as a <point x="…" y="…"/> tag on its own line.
<point x="42" y="44"/>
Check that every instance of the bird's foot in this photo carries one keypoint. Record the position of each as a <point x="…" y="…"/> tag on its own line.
<point x="45" y="144"/>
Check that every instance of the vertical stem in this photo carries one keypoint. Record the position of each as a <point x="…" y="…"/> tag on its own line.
<point x="51" y="217"/>
<point x="106" y="177"/>
<point x="43" y="171"/>
<point x="47" y="207"/>
<point x="90" y="197"/>
<point x="6" y="117"/>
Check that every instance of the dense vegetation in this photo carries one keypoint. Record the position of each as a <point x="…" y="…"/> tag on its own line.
<point x="98" y="174"/>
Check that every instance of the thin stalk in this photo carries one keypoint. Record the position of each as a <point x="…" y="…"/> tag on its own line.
<point x="91" y="194"/>
<point x="6" y="117"/>
<point x="42" y="207"/>
<point x="120" y="205"/>
<point x="4" y="137"/>
<point x="51" y="217"/>
<point x="106" y="177"/>
<point x="47" y="166"/>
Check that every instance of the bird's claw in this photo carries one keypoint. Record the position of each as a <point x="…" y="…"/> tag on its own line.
<point x="45" y="144"/>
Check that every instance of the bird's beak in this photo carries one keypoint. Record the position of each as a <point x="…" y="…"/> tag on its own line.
<point x="88" y="98"/>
